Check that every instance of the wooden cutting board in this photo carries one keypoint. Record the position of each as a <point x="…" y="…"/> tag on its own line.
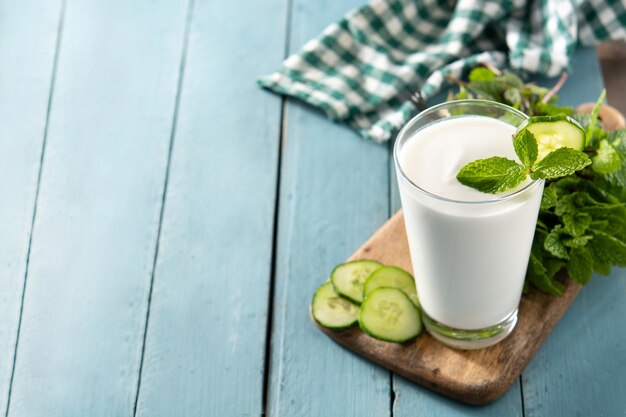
<point x="470" y="376"/>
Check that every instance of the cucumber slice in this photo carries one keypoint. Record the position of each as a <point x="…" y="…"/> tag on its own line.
<point x="388" y="314"/>
<point x="554" y="132"/>
<point x="348" y="278"/>
<point x="331" y="310"/>
<point x="393" y="277"/>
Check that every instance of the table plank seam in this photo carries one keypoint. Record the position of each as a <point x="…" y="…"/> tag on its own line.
<point x="392" y="394"/>
<point x="390" y="185"/>
<point x="179" y="86"/>
<point x="55" y="62"/>
<point x="521" y="389"/>
<point x="270" y="301"/>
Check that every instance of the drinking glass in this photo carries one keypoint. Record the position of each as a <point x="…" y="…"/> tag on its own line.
<point x="469" y="258"/>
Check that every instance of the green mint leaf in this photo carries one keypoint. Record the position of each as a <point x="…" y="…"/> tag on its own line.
<point x="600" y="224"/>
<point x="548" y="109"/>
<point x="617" y="136"/>
<point x="481" y="74"/>
<point x="608" y="249"/>
<point x="513" y="96"/>
<point x="576" y="224"/>
<point x="554" y="245"/>
<point x="553" y="266"/>
<point x="549" y="198"/>
<point x="593" y="117"/>
<point x="560" y="163"/>
<point x="536" y="274"/>
<point x="566" y="204"/>
<point x="526" y="148"/>
<point x="580" y="265"/>
<point x="484" y="83"/>
<point x="540" y="272"/>
<point x="488" y="90"/>
<point x="607" y="161"/>
<point x="541" y="224"/>
<point x="578" y="241"/>
<point x="492" y="175"/>
<point x="509" y="79"/>
<point x="601" y="267"/>
<point x="461" y="95"/>
<point x="536" y="90"/>
<point x="542" y="280"/>
<point x="617" y="139"/>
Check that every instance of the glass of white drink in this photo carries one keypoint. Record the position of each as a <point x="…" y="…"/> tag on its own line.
<point x="469" y="249"/>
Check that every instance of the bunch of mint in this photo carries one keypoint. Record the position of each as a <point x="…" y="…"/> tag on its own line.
<point x="488" y="83"/>
<point x="581" y="227"/>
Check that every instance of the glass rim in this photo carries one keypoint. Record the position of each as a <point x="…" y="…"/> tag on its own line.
<point x="447" y="104"/>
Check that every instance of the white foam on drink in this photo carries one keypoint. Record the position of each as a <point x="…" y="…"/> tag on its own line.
<point x="434" y="155"/>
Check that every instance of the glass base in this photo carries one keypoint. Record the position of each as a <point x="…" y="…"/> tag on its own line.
<point x="470" y="339"/>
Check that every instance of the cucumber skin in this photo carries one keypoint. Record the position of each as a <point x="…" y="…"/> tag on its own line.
<point x="346" y="296"/>
<point x="384" y="339"/>
<point x="550" y="119"/>
<point x="402" y="271"/>
<point x="326" y="326"/>
<point x="334" y="328"/>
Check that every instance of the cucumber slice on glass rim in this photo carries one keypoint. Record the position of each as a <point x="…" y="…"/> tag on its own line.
<point x="554" y="132"/>
<point x="388" y="314"/>
<point x="348" y="278"/>
<point x="331" y="310"/>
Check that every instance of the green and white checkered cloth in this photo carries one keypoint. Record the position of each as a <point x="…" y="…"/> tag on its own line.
<point x="363" y="69"/>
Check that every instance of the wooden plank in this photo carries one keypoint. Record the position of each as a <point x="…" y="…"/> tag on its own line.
<point x="28" y="37"/>
<point x="98" y="211"/>
<point x="334" y="193"/>
<point x="579" y="371"/>
<point x="475" y="377"/>
<point x="411" y="399"/>
<point x="330" y="200"/>
<point x="205" y="346"/>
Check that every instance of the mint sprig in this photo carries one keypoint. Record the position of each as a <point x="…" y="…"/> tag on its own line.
<point x="506" y="87"/>
<point x="492" y="175"/>
<point x="584" y="213"/>
<point x="498" y="174"/>
<point x="526" y="148"/>
<point x="559" y="163"/>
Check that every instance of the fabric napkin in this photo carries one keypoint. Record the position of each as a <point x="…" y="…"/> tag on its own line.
<point x="363" y="69"/>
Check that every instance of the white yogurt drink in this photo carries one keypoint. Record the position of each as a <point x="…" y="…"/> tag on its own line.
<point x="469" y="250"/>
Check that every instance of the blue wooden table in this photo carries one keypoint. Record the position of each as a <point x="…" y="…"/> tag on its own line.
<point x="164" y="223"/>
